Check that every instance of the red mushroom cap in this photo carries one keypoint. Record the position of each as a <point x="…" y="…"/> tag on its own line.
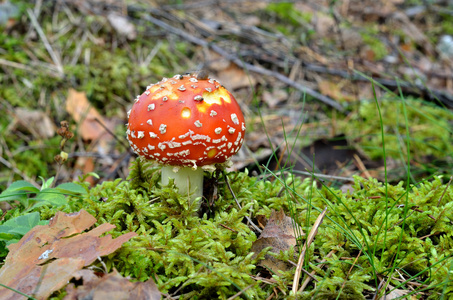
<point x="185" y="121"/>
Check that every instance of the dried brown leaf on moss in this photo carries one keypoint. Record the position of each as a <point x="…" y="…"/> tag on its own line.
<point x="47" y="257"/>
<point x="113" y="287"/>
<point x="85" y="115"/>
<point x="279" y="233"/>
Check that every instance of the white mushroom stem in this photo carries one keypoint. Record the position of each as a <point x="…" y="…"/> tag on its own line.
<point x="187" y="180"/>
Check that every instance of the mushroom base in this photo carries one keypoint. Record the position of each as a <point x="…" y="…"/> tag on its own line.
<point x="187" y="180"/>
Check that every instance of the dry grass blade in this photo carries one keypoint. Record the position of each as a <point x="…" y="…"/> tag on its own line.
<point x="310" y="238"/>
<point x="43" y="37"/>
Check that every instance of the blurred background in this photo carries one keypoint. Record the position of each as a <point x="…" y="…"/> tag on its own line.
<point x="331" y="88"/>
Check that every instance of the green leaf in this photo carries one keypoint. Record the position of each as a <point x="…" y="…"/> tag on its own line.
<point x="51" y="196"/>
<point x="18" y="190"/>
<point x="6" y="236"/>
<point x="71" y="188"/>
<point x="46" y="183"/>
<point x="17" y="227"/>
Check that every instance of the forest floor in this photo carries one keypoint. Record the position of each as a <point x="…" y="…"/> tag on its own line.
<point x="329" y="89"/>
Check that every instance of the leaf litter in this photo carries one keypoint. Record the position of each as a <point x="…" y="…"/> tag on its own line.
<point x="279" y="233"/>
<point x="48" y="256"/>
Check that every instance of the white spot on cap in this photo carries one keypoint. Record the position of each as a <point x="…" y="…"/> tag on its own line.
<point x="182" y="88"/>
<point x="229" y="145"/>
<point x="185" y="143"/>
<point x="150" y="122"/>
<point x="198" y="98"/>
<point x="152" y="106"/>
<point x="213" y="113"/>
<point x="231" y="130"/>
<point x="200" y="137"/>
<point x="150" y="147"/>
<point x="193" y="79"/>
<point x="235" y="119"/>
<point x="172" y="144"/>
<point x="152" y="135"/>
<point x="129" y="113"/>
<point x="223" y="138"/>
<point x="183" y="136"/>
<point x="218" y="130"/>
<point x="147" y="93"/>
<point x="165" y="98"/>
<point x="163" y="128"/>
<point x="133" y="134"/>
<point x="137" y="98"/>
<point x="198" y="123"/>
<point x="243" y="126"/>
<point x="208" y="90"/>
<point x="238" y="139"/>
<point x="161" y="146"/>
<point x="140" y="134"/>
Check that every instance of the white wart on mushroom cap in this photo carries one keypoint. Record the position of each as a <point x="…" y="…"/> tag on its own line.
<point x="185" y="121"/>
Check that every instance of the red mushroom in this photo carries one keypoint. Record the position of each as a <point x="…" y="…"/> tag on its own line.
<point x="187" y="124"/>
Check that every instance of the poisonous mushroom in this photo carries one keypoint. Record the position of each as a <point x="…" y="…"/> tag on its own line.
<point x="187" y="124"/>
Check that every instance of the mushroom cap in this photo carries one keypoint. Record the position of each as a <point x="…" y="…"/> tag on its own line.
<point x="185" y="121"/>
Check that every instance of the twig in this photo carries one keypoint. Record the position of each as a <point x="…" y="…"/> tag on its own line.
<point x="43" y="37"/>
<point x="443" y="96"/>
<point x="240" y="292"/>
<point x="310" y="238"/>
<point x="322" y="263"/>
<point x="240" y="207"/>
<point x="311" y="174"/>
<point x="445" y="190"/>
<point x="362" y="167"/>
<point x="237" y="60"/>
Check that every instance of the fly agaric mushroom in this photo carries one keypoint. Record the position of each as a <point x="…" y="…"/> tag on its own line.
<point x="187" y="124"/>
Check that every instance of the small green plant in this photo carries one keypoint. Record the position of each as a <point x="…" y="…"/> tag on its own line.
<point x="25" y="197"/>
<point x="19" y="192"/>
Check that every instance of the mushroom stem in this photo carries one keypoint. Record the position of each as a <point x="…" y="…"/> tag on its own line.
<point x="187" y="180"/>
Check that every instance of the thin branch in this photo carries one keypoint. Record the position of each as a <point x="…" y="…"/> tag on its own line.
<point x="237" y="60"/>
<point x="240" y="207"/>
<point x="43" y="37"/>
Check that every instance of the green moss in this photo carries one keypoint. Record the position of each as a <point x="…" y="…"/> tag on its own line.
<point x="376" y="227"/>
<point x="430" y="130"/>
<point x="371" y="39"/>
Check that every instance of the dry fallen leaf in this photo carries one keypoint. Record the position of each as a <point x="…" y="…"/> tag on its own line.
<point x="332" y="90"/>
<point x="36" y="122"/>
<point x="229" y="74"/>
<point x="279" y="234"/>
<point x="275" y="98"/>
<point x="48" y="256"/>
<point x="122" y="25"/>
<point x="85" y="115"/>
<point x="113" y="287"/>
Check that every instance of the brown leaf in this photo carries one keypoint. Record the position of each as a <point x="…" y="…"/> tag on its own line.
<point x="48" y="256"/>
<point x="332" y="90"/>
<point x="113" y="287"/>
<point x="229" y="74"/>
<point x="280" y="234"/>
<point x="85" y="115"/>
<point x="275" y="98"/>
<point x="122" y="25"/>
<point x="36" y="122"/>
